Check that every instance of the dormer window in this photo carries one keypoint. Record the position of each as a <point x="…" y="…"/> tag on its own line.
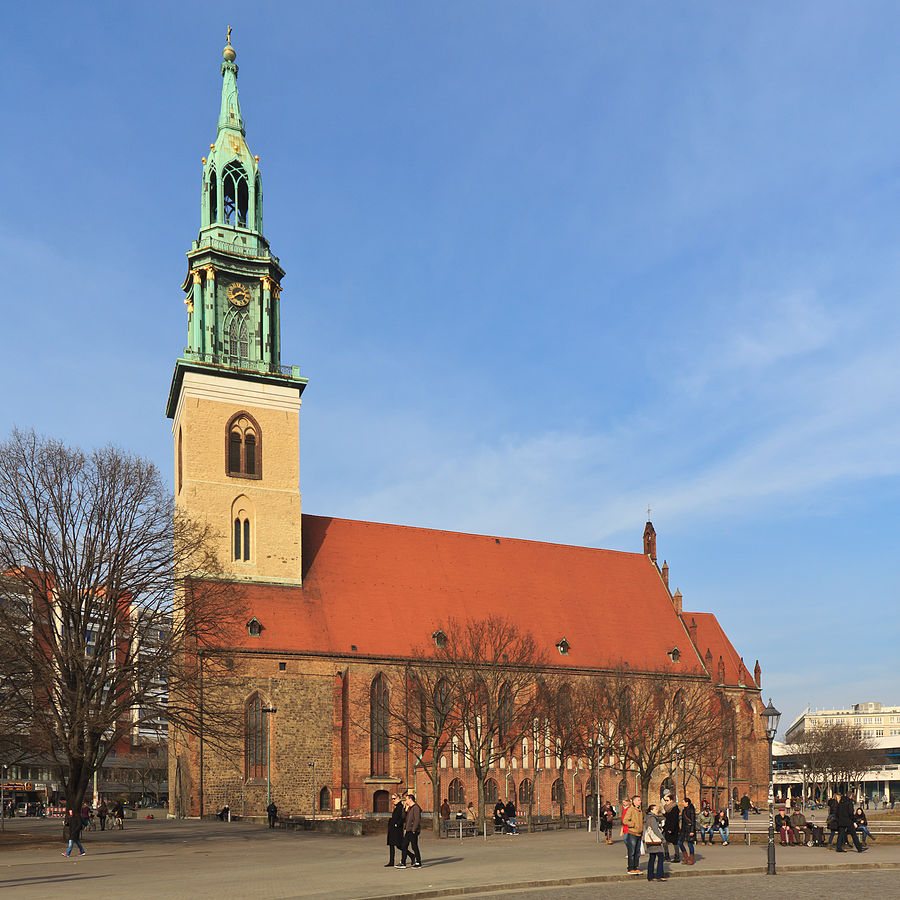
<point x="563" y="646"/>
<point x="440" y="639"/>
<point x="674" y="654"/>
<point x="254" y="627"/>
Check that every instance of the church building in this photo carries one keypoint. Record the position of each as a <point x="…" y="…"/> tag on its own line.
<point x="336" y="608"/>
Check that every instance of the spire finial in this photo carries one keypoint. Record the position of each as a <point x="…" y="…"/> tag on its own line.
<point x="648" y="512"/>
<point x="228" y="53"/>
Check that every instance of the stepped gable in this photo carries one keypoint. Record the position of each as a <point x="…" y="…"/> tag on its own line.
<point x="384" y="589"/>
<point x="711" y="635"/>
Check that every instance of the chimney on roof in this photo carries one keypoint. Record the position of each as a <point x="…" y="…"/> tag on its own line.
<point x="676" y="599"/>
<point x="721" y="670"/>
<point x="650" y="541"/>
<point x="665" y="573"/>
<point x="757" y="674"/>
<point x="692" y="630"/>
<point x="708" y="660"/>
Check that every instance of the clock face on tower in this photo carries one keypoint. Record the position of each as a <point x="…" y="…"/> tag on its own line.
<point x="238" y="294"/>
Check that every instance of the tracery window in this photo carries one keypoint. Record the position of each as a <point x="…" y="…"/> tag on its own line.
<point x="238" y="339"/>
<point x="456" y="792"/>
<point x="235" y="193"/>
<point x="526" y="790"/>
<point x="243" y="453"/>
<point x="379" y="714"/>
<point x="256" y="738"/>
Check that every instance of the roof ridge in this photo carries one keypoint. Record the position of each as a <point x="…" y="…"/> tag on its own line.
<point x="473" y="534"/>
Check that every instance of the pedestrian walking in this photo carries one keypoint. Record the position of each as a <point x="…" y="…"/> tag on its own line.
<point x="73" y="821"/>
<point x="395" y="829"/>
<point x="102" y="814"/>
<point x="411" y="827"/>
<point x="272" y="812"/>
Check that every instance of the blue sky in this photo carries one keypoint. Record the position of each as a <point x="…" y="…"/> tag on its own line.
<point x="547" y="263"/>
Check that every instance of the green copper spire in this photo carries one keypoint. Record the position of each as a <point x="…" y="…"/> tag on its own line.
<point x="233" y="285"/>
<point x="230" y="112"/>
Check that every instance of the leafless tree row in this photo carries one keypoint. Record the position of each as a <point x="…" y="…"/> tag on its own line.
<point x="834" y="755"/>
<point x="483" y="688"/>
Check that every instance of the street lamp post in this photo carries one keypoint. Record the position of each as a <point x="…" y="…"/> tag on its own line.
<point x="731" y="762"/>
<point x="269" y="711"/>
<point x="3" y="799"/>
<point x="772" y="717"/>
<point x="312" y="765"/>
<point x="803" y="801"/>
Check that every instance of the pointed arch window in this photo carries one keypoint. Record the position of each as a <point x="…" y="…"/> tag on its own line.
<point x="258" y="207"/>
<point x="379" y="713"/>
<point x="242" y="530"/>
<point x="235" y="193"/>
<point x="212" y="196"/>
<point x="255" y="738"/>
<point x="243" y="447"/>
<point x="239" y="339"/>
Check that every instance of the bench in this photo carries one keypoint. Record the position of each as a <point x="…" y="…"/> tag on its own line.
<point x="459" y="828"/>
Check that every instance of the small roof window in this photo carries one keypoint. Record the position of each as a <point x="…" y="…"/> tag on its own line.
<point x="563" y="646"/>
<point x="254" y="627"/>
<point x="440" y="639"/>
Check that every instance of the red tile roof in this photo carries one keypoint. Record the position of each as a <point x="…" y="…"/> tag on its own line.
<point x="711" y="636"/>
<point x="374" y="590"/>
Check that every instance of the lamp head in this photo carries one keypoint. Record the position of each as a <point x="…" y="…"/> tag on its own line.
<point x="772" y="718"/>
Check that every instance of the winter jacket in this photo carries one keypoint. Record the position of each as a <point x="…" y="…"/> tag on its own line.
<point x="653" y="836"/>
<point x="633" y="820"/>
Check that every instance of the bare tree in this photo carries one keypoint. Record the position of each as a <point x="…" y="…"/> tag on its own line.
<point x="98" y="634"/>
<point x="650" y="717"/>
<point x="558" y="707"/>
<point x="492" y="666"/>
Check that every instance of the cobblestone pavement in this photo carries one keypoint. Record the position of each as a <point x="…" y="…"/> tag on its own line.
<point x="194" y="860"/>
<point x="884" y="885"/>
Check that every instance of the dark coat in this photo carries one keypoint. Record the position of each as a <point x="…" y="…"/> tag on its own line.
<point x="688" y="824"/>
<point x="75" y="826"/>
<point x="844" y="813"/>
<point x="395" y="826"/>
<point x="672" y="823"/>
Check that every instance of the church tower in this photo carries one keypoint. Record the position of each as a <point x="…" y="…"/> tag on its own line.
<point x="235" y="407"/>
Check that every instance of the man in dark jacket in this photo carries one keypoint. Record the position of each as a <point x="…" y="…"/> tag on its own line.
<point x="395" y="828"/>
<point x="845" y="825"/>
<point x="671" y="826"/>
<point x="411" y="828"/>
<point x="272" y="812"/>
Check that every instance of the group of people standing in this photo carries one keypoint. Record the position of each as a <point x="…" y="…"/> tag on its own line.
<point x="403" y="831"/>
<point x="663" y="827"/>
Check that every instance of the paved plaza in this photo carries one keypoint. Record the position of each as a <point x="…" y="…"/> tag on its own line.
<point x="173" y="860"/>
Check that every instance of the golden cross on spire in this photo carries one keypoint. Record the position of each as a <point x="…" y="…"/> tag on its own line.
<point x="228" y="35"/>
